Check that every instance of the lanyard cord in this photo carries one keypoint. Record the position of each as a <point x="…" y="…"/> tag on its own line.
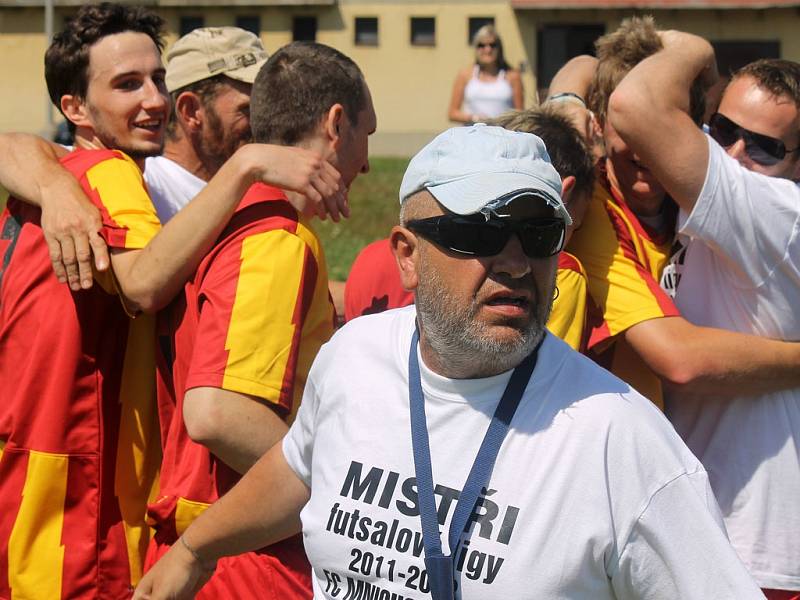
<point x="439" y="566"/>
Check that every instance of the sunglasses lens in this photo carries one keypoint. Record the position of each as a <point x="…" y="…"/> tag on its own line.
<point x="542" y="238"/>
<point x="724" y="131"/>
<point x="765" y="150"/>
<point x="479" y="238"/>
<point x="762" y="149"/>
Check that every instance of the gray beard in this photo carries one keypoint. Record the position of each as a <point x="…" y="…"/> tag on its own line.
<point x="463" y="345"/>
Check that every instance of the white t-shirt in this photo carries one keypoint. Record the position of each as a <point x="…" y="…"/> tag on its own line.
<point x="592" y="496"/>
<point x="171" y="186"/>
<point x="741" y="272"/>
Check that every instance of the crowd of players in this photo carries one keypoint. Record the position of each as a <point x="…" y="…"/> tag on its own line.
<point x="163" y="297"/>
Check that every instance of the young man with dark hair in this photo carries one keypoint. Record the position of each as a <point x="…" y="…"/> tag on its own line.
<point x="77" y="431"/>
<point x="243" y="335"/>
<point x="738" y="270"/>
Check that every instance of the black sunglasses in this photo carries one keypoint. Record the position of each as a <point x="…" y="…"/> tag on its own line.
<point x="763" y="149"/>
<point x="492" y="45"/>
<point x="476" y="236"/>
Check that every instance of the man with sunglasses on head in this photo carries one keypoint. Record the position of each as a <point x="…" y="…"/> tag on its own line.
<point x="455" y="448"/>
<point x="738" y="270"/>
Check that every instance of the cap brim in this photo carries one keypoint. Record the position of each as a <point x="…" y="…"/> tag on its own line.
<point x="471" y="194"/>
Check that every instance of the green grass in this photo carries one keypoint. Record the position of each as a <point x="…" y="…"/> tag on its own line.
<point x="374" y="207"/>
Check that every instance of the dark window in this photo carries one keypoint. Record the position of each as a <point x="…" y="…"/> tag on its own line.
<point x="558" y="43"/>
<point x="304" y="29"/>
<point x="733" y="55"/>
<point x="251" y="23"/>
<point x="476" y="23"/>
<point x="366" y="31"/>
<point x="423" y="31"/>
<point x="190" y="24"/>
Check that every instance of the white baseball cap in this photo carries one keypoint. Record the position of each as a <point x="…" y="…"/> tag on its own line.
<point x="482" y="168"/>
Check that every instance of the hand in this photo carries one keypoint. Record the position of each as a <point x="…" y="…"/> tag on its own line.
<point x="70" y="223"/>
<point x="177" y="575"/>
<point x="317" y="184"/>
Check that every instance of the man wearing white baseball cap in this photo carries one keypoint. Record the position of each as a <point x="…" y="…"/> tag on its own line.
<point x="547" y="476"/>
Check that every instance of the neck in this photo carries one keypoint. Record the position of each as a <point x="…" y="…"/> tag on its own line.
<point x="179" y="149"/>
<point x="457" y="366"/>
<point x="87" y="140"/>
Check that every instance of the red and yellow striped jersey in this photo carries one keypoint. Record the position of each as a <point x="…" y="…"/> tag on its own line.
<point x="623" y="259"/>
<point x="78" y="418"/>
<point x="251" y="321"/>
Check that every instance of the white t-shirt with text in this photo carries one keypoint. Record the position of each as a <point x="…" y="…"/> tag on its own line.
<point x="592" y="496"/>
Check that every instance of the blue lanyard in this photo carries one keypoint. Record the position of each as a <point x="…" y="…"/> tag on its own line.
<point x="440" y="567"/>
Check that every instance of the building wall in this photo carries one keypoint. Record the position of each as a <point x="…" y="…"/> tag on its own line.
<point x="411" y="85"/>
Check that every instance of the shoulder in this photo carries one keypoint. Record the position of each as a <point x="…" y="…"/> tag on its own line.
<point x="369" y="340"/>
<point x="513" y="75"/>
<point x="465" y="74"/>
<point x="569" y="262"/>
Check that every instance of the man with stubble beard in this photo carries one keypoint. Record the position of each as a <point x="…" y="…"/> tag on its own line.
<point x="547" y="476"/>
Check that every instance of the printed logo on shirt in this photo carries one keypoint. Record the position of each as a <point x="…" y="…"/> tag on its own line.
<point x="673" y="270"/>
<point x="353" y="516"/>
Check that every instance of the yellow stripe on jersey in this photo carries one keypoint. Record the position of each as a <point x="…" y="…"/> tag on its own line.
<point x="35" y="552"/>
<point x="122" y="192"/>
<point x="186" y="511"/>
<point x="568" y="315"/>
<point x="138" y="447"/>
<point x="260" y="334"/>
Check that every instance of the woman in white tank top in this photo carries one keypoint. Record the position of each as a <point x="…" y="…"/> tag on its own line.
<point x="488" y="88"/>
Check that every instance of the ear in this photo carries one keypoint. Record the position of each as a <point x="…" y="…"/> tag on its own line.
<point x="189" y="111"/>
<point x="406" y="253"/>
<point x="74" y="109"/>
<point x="334" y="124"/>
<point x="567" y="185"/>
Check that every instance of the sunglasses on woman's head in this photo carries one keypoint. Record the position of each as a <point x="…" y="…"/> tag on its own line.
<point x="762" y="149"/>
<point x="476" y="236"/>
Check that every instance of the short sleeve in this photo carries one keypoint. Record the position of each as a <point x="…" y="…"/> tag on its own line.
<point x="298" y="443"/>
<point x="253" y="301"/>
<point x="117" y="188"/>
<point x="681" y="525"/>
<point x="749" y="220"/>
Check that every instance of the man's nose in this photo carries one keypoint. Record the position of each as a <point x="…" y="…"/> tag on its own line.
<point x="512" y="260"/>
<point x="154" y="96"/>
<point x="738" y="150"/>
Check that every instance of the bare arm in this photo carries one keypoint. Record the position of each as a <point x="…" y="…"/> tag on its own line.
<point x="30" y="170"/>
<point x="705" y="361"/>
<point x="454" y="112"/>
<point x="237" y="428"/>
<point x="151" y="277"/>
<point x="518" y="94"/>
<point x="654" y="97"/>
<point x="574" y="77"/>
<point x="238" y="522"/>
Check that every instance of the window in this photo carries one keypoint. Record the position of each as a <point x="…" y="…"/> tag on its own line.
<point x="558" y="43"/>
<point x="366" y="31"/>
<point x="423" y="31"/>
<point x="191" y="23"/>
<point x="476" y="23"/>
<point x="251" y="23"/>
<point x="733" y="55"/>
<point x="304" y="29"/>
